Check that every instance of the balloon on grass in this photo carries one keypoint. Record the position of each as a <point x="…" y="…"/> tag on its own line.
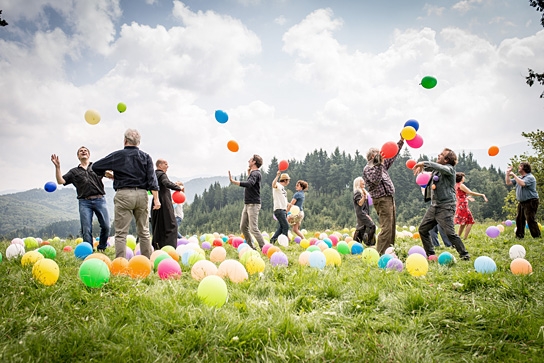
<point x="203" y="268"/>
<point x="317" y="260"/>
<point x="48" y="251"/>
<point x="370" y="256"/>
<point x="30" y="258"/>
<point x="446" y="259"/>
<point x="517" y="251"/>
<point x="233" y="146"/>
<point x="485" y="265"/>
<point x="493" y="151"/>
<point x="408" y="133"/>
<point x="417" y="249"/>
<point x="139" y="267"/>
<point x="94" y="273"/>
<point x="212" y="290"/>
<point x="159" y="259"/>
<point x="30" y="243"/>
<point x="279" y="259"/>
<point x="46" y="271"/>
<point x="255" y="264"/>
<point x="417" y="265"/>
<point x="428" y="82"/>
<point x="283" y="240"/>
<point x="50" y="187"/>
<point x="221" y="116"/>
<point x="92" y="117"/>
<point x="119" y="266"/>
<point x="218" y="254"/>
<point x="416" y="142"/>
<point x="83" y="250"/>
<point x="169" y="268"/>
<point x="389" y="149"/>
<point x="492" y="232"/>
<point x="384" y="260"/>
<point x="232" y="269"/>
<point x="395" y="264"/>
<point x="520" y="266"/>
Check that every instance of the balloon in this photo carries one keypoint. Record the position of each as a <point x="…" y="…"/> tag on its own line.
<point x="332" y="257"/>
<point x="343" y="248"/>
<point x="232" y="269"/>
<point x="279" y="259"/>
<point x="416" y="142"/>
<point x="417" y="265"/>
<point x="517" y="251"/>
<point x="422" y="179"/>
<point x="410" y="163"/>
<point x="412" y="123"/>
<point x="139" y="267"/>
<point x="50" y="187"/>
<point x="169" y="268"/>
<point x="30" y="243"/>
<point x="508" y="223"/>
<point x="30" y="258"/>
<point x="255" y="264"/>
<point x="484" y="264"/>
<point x="357" y="248"/>
<point x="417" y="249"/>
<point x="119" y="266"/>
<point x="92" y="117"/>
<point x="46" y="271"/>
<point x="121" y="107"/>
<point x="283" y="240"/>
<point x="233" y="146"/>
<point x="317" y="260"/>
<point x="212" y="290"/>
<point x="100" y="256"/>
<point x="428" y="82"/>
<point x="94" y="273"/>
<point x="384" y="260"/>
<point x="493" y="151"/>
<point x="492" y="232"/>
<point x="283" y="165"/>
<point x="83" y="250"/>
<point x="295" y="210"/>
<point x="178" y="197"/>
<point x="304" y="258"/>
<point x="159" y="259"/>
<point x="370" y="256"/>
<point x="394" y="264"/>
<point x="408" y="133"/>
<point x="520" y="266"/>
<point x="271" y="250"/>
<point x="446" y="258"/>
<point x="369" y="198"/>
<point x="389" y="149"/>
<point x="218" y="254"/>
<point x="221" y="116"/>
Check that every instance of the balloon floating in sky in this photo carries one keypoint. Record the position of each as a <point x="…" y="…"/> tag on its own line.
<point x="283" y="165"/>
<point x="416" y="142"/>
<point x="233" y="146"/>
<point x="408" y="133"/>
<point x="389" y="149"/>
<point x="413" y="123"/>
<point x="428" y="82"/>
<point x="121" y="107"/>
<point x="221" y="116"/>
<point x="493" y="151"/>
<point x="50" y="187"/>
<point x="92" y="117"/>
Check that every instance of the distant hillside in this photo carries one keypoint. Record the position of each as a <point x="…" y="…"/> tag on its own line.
<point x="35" y="209"/>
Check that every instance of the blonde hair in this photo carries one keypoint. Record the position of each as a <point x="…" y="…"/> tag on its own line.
<point x="357" y="184"/>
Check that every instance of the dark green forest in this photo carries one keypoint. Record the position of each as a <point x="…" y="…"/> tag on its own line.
<point x="328" y="201"/>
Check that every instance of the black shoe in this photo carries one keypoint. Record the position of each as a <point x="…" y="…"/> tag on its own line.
<point x="465" y="257"/>
<point x="101" y="250"/>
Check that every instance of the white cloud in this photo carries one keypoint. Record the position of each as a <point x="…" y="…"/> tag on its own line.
<point x="280" y="20"/>
<point x="466" y="5"/>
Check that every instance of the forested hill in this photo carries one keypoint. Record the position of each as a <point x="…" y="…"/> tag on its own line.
<point x="329" y="199"/>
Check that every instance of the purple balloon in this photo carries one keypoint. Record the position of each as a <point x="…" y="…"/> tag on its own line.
<point x="417" y="249"/>
<point x="298" y="239"/>
<point x="182" y="241"/>
<point x="129" y="253"/>
<point x="369" y="198"/>
<point x="508" y="223"/>
<point x="492" y="232"/>
<point x="394" y="264"/>
<point x="435" y="178"/>
<point x="279" y="259"/>
<point x="206" y="245"/>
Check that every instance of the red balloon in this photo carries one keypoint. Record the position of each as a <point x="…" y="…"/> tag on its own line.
<point x="283" y="165"/>
<point x="389" y="149"/>
<point x="410" y="163"/>
<point x="178" y="197"/>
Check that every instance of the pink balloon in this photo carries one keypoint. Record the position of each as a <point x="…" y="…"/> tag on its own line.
<point x="422" y="179"/>
<point x="416" y="142"/>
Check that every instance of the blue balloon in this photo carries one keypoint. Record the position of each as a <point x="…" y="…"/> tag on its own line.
<point x="83" y="250"/>
<point x="384" y="259"/>
<point x="50" y="187"/>
<point x="446" y="258"/>
<point x="412" y="123"/>
<point x="317" y="260"/>
<point x="357" y="248"/>
<point x="221" y="116"/>
<point x="485" y="265"/>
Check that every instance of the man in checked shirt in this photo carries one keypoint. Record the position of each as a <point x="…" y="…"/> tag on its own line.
<point x="381" y="189"/>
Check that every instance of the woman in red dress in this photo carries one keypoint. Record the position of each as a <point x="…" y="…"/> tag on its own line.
<point x="463" y="215"/>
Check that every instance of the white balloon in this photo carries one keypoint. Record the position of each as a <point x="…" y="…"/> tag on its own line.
<point x="15" y="250"/>
<point x="283" y="240"/>
<point x="517" y="251"/>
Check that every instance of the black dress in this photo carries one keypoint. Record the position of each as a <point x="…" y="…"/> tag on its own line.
<point x="165" y="228"/>
<point x="365" y="229"/>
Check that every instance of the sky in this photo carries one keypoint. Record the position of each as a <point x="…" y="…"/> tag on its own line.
<point x="293" y="76"/>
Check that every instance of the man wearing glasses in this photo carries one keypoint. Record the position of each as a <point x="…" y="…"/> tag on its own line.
<point x="441" y="189"/>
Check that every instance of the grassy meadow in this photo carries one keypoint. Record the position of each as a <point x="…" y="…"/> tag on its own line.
<point x="350" y="313"/>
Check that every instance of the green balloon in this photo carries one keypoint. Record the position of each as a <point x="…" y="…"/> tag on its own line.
<point x="428" y="82"/>
<point x="0" y="256"/>
<point x="194" y="258"/>
<point x="343" y="248"/>
<point x="212" y="290"/>
<point x="48" y="251"/>
<point x="30" y="243"/>
<point x="159" y="258"/>
<point x="94" y="272"/>
<point x="121" y="107"/>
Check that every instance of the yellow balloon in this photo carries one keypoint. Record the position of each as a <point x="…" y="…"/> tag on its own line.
<point x="417" y="265"/>
<point x="255" y="264"/>
<point x="31" y="257"/>
<point x="304" y="243"/>
<point x="295" y="210"/>
<point x="92" y="117"/>
<point x="332" y="257"/>
<point x="408" y="133"/>
<point x="46" y="271"/>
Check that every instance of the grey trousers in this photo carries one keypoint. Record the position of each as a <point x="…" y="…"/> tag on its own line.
<point x="249" y="224"/>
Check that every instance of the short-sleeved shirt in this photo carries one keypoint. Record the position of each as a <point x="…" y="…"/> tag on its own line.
<point x="299" y="197"/>
<point x="280" y="197"/>
<point x="86" y="181"/>
<point x="524" y="193"/>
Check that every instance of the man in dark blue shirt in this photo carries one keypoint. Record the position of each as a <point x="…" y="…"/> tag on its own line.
<point x="133" y="176"/>
<point x="90" y="195"/>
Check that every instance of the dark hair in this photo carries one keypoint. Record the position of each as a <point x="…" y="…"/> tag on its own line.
<point x="459" y="176"/>
<point x="450" y="157"/>
<point x="526" y="167"/>
<point x="258" y="160"/>
<point x="303" y="184"/>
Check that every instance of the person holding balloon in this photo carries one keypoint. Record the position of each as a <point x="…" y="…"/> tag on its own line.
<point x="366" y="228"/>
<point x="463" y="215"/>
<point x="527" y="197"/>
<point x="280" y="204"/>
<point x="381" y="189"/>
<point x="441" y="190"/>
<point x="295" y="220"/>
<point x="163" y="220"/>
<point x="252" y="201"/>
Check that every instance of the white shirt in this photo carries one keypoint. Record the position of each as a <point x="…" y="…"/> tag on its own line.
<point x="280" y="196"/>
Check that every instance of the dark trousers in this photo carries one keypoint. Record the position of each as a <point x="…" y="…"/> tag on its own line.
<point x="526" y="214"/>
<point x="283" y="227"/>
<point x="365" y="230"/>
<point x="434" y="236"/>
<point x="443" y="216"/>
<point x="385" y="208"/>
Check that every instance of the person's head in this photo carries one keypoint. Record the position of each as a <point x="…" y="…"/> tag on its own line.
<point x="447" y="156"/>
<point x="371" y="153"/>
<point x="459" y="177"/>
<point x="256" y="160"/>
<point x="83" y="153"/>
<point x="358" y="184"/>
<point x="524" y="167"/>
<point x="303" y="185"/>
<point x="132" y="137"/>
<point x="284" y="178"/>
<point x="162" y="165"/>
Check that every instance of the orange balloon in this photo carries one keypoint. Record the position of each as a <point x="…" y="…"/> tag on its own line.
<point x="119" y="266"/>
<point x="100" y="256"/>
<point x="174" y="255"/>
<point x="520" y="266"/>
<point x="139" y="267"/>
<point x="272" y="250"/>
<point x="233" y="146"/>
<point x="493" y="151"/>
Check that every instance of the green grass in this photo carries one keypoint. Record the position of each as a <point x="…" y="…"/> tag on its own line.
<point x="351" y="313"/>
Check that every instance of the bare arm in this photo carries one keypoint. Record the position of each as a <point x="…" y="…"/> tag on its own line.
<point x="235" y="182"/>
<point x="470" y="192"/>
<point x="56" y="161"/>
<point x="274" y="182"/>
<point x="156" y="202"/>
<point x="507" y="175"/>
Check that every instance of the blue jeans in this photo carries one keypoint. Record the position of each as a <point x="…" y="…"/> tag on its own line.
<point x="97" y="206"/>
<point x="434" y="236"/>
<point x="283" y="227"/>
